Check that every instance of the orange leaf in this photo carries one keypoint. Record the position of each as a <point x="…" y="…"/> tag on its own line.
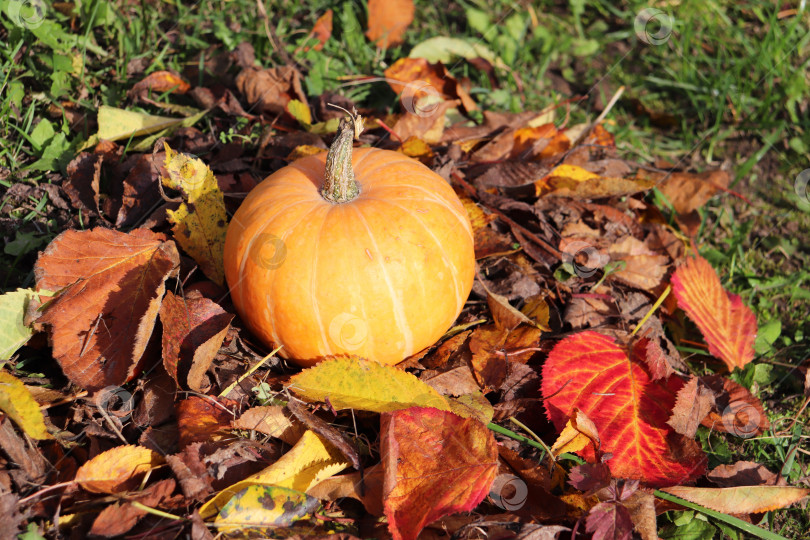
<point x="159" y="82"/>
<point x="200" y="418"/>
<point x="116" y="470"/>
<point x="321" y="31"/>
<point x="728" y="326"/>
<point x="743" y="499"/>
<point x="591" y="372"/>
<point x="111" y="286"/>
<point x="388" y="20"/>
<point x="436" y="463"/>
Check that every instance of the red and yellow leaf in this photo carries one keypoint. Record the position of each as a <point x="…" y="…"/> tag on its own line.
<point x="592" y="372"/>
<point x="436" y="463"/>
<point x="728" y="326"/>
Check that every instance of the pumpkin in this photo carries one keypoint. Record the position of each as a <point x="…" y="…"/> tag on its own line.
<point x="364" y="252"/>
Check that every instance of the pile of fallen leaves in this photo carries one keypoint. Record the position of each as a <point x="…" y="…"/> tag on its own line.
<point x="165" y="415"/>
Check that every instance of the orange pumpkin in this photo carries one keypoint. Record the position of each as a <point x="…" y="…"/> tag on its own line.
<point x="366" y="252"/>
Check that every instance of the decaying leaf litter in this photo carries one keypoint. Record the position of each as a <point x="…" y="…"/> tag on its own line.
<point x="165" y="415"/>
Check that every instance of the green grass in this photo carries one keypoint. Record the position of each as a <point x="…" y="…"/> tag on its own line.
<point x="727" y="86"/>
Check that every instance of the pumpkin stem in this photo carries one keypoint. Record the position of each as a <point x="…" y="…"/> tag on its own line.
<point x="339" y="185"/>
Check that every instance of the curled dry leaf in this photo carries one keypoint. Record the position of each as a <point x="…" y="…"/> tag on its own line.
<point x="270" y="90"/>
<point x="736" y="410"/>
<point x="743" y="473"/>
<point x="193" y="330"/>
<point x="111" y="285"/>
<point x="415" y="79"/>
<point x="578" y="432"/>
<point x="388" y="20"/>
<point x="117" y="470"/>
<point x="728" y="326"/>
<point x="158" y="82"/>
<point x="693" y="403"/>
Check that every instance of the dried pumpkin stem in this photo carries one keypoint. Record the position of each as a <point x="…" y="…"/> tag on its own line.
<point x="339" y="185"/>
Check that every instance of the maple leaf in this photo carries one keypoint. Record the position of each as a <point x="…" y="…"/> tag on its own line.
<point x="728" y="326"/>
<point x="111" y="286"/>
<point x="609" y="520"/>
<point x="591" y="372"/>
<point x="436" y="463"/>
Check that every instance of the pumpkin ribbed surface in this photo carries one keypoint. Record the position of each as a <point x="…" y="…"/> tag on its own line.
<point x="381" y="276"/>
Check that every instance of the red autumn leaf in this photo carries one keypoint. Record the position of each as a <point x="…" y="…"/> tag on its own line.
<point x="193" y="330"/>
<point x="159" y="82"/>
<point x="591" y="372"/>
<point x="388" y="20"/>
<point x="436" y="463"/>
<point x="111" y="287"/>
<point x="728" y="326"/>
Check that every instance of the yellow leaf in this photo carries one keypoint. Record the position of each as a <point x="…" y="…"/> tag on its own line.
<point x="13" y="331"/>
<point x="304" y="150"/>
<point x="310" y="461"/>
<point x="18" y="403"/>
<point x="357" y="383"/>
<point x="265" y="507"/>
<point x="577" y="433"/>
<point x="200" y="223"/>
<point x="300" y="111"/>
<point x="115" y="124"/>
<point x="117" y="470"/>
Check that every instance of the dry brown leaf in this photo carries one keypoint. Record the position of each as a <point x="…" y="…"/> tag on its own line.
<point x="271" y="420"/>
<point x="199" y="419"/>
<point x="688" y="192"/>
<point x="416" y="78"/>
<point x="270" y="90"/>
<point x="111" y="287"/>
<point x="692" y="404"/>
<point x="193" y="330"/>
<point x="743" y="473"/>
<point x="741" y="500"/>
<point x="388" y="20"/>
<point x="643" y="268"/>
<point x="736" y="410"/>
